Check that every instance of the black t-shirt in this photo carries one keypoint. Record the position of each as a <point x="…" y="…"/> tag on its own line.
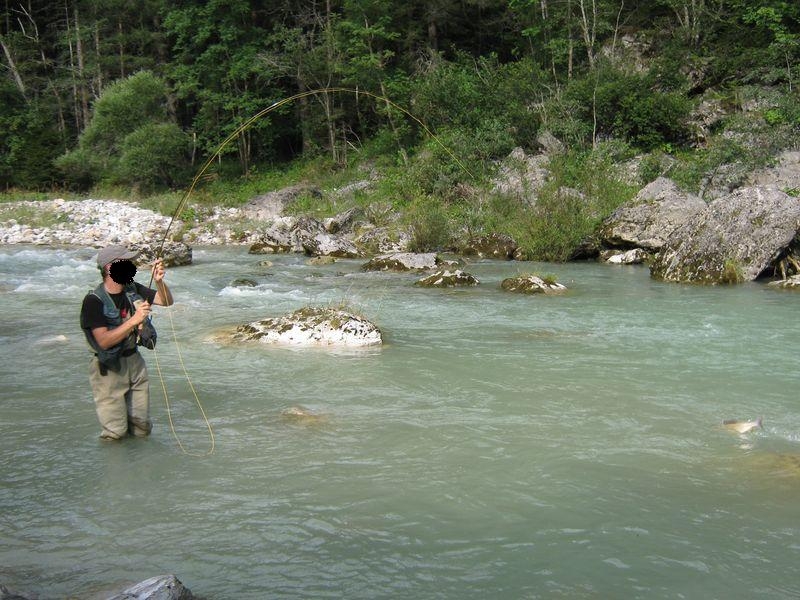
<point x="92" y="309"/>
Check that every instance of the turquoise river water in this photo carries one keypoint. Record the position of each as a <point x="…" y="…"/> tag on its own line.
<point x="496" y="446"/>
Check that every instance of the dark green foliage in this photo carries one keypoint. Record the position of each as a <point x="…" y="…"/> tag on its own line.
<point x="629" y="106"/>
<point x="154" y="155"/>
<point x="129" y="140"/>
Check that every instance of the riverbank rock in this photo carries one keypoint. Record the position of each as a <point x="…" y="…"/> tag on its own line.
<point x="93" y="223"/>
<point x="174" y="254"/>
<point x="163" y="587"/>
<point x="493" y="245"/>
<point x="532" y="284"/>
<point x="326" y="244"/>
<point x="403" y="261"/>
<point x="286" y="234"/>
<point x="447" y="278"/>
<point x="648" y="220"/>
<point x="737" y="237"/>
<point x="312" y="326"/>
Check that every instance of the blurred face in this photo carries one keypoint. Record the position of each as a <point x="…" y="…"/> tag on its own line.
<point x="122" y="271"/>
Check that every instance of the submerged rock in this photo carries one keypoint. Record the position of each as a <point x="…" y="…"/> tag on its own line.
<point x="312" y="326"/>
<point x="403" y="261"/>
<point x="635" y="256"/>
<point x="447" y="278"/>
<point x="302" y="416"/>
<point x="532" y="284"/>
<point x="736" y="238"/>
<point x="791" y="283"/>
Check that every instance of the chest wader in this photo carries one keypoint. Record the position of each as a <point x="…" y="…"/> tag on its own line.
<point x="109" y="358"/>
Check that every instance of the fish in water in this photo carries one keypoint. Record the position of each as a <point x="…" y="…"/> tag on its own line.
<point x="56" y="339"/>
<point x="742" y="426"/>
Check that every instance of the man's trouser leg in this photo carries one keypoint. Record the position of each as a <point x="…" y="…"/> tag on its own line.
<point x="122" y="399"/>
<point x="138" y="395"/>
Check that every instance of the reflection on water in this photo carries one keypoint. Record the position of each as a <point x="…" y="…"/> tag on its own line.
<point x="497" y="446"/>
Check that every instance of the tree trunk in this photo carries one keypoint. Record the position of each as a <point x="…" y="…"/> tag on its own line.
<point x="13" y="67"/>
<point x="81" y="76"/>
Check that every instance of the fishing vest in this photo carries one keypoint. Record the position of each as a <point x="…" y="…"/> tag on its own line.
<point x="145" y="337"/>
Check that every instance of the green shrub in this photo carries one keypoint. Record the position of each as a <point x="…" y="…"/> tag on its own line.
<point x="429" y="225"/>
<point x="153" y="156"/>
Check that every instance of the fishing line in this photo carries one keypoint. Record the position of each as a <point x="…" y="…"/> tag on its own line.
<point x="199" y="175"/>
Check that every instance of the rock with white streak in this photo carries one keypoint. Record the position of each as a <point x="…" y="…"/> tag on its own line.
<point x="312" y="326"/>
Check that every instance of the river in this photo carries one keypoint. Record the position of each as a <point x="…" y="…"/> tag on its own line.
<point x="496" y="446"/>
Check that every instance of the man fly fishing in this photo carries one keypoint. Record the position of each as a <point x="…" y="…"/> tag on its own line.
<point x="115" y="317"/>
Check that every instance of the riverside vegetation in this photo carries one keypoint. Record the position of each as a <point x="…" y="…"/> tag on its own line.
<point x="608" y="98"/>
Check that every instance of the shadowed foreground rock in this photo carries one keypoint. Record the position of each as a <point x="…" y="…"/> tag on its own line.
<point x="312" y="326"/>
<point x="736" y="238"/>
<point x="162" y="587"/>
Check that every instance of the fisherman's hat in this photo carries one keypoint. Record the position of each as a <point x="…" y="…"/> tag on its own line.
<point x="111" y="253"/>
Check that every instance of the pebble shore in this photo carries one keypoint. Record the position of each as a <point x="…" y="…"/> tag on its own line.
<point x="96" y="223"/>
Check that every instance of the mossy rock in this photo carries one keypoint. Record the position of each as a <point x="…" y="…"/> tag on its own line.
<point x="447" y="278"/>
<point x="533" y="284"/>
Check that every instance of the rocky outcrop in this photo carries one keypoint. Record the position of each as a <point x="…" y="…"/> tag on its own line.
<point x="785" y="174"/>
<point x="382" y="240"/>
<point x="271" y="205"/>
<point x="447" y="278"/>
<point x="312" y="326"/>
<point x="403" y="261"/>
<point x="522" y="175"/>
<point x="493" y="245"/>
<point x="302" y="234"/>
<point x="648" y="220"/>
<point x="737" y="237"/>
<point x="532" y="284"/>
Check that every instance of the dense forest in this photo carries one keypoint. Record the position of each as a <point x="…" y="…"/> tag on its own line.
<point x="138" y="94"/>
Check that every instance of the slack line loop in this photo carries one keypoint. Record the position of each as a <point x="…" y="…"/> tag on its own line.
<point x="199" y="175"/>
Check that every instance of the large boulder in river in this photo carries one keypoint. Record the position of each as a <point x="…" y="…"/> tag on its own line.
<point x="312" y="326"/>
<point x="737" y="237"/>
<point x="403" y="261"/>
<point x="648" y="220"/>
